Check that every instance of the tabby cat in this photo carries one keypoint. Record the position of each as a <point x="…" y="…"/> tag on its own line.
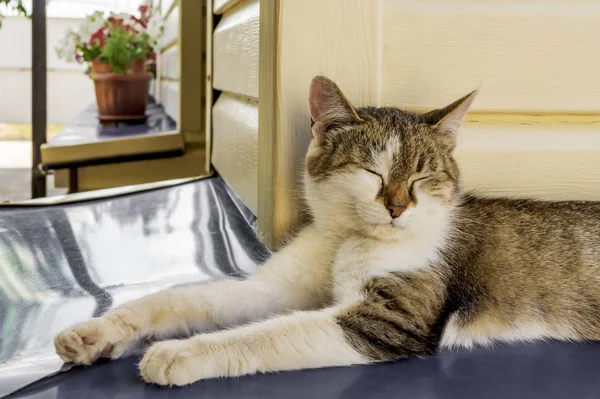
<point x="397" y="262"/>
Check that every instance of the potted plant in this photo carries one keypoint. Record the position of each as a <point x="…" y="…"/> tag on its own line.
<point x="120" y="53"/>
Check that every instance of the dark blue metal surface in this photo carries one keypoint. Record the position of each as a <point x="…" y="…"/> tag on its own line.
<point x="62" y="264"/>
<point x="85" y="128"/>
<point x="542" y="370"/>
<point x="87" y="121"/>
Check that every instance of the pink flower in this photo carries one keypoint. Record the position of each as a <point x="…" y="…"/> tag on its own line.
<point x="98" y="37"/>
<point x="139" y="21"/>
<point x="115" y="22"/>
<point x="143" y="10"/>
<point x="78" y="58"/>
<point x="130" y="28"/>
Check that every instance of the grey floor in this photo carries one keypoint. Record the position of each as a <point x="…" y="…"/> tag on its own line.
<point x="15" y="185"/>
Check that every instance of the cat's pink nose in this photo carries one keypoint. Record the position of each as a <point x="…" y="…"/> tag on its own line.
<point x="396" y="208"/>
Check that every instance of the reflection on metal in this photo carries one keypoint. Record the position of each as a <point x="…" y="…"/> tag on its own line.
<point x="98" y="194"/>
<point x="63" y="264"/>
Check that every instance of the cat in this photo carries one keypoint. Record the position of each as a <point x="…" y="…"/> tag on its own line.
<point x="396" y="262"/>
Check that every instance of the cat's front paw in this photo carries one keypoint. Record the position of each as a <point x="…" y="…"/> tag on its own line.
<point x="170" y="363"/>
<point x="85" y="342"/>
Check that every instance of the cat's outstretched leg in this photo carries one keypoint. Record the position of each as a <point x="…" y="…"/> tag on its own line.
<point x="297" y="341"/>
<point x="294" y="279"/>
<point x="397" y="317"/>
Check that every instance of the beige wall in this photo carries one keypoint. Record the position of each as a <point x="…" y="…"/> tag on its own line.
<point x="169" y="59"/>
<point x="235" y="113"/>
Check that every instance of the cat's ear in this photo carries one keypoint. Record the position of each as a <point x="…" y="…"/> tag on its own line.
<point x="329" y="107"/>
<point x="447" y="120"/>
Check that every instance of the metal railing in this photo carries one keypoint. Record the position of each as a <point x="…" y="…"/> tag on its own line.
<point x="38" y="96"/>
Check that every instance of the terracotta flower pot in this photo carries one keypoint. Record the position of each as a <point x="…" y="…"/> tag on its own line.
<point x="121" y="96"/>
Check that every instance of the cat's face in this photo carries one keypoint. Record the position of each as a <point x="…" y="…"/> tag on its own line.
<point x="381" y="171"/>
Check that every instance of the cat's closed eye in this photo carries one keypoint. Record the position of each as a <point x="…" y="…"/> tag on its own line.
<point x="411" y="189"/>
<point x="375" y="173"/>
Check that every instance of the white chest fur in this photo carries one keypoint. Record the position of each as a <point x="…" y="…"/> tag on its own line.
<point x="359" y="259"/>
